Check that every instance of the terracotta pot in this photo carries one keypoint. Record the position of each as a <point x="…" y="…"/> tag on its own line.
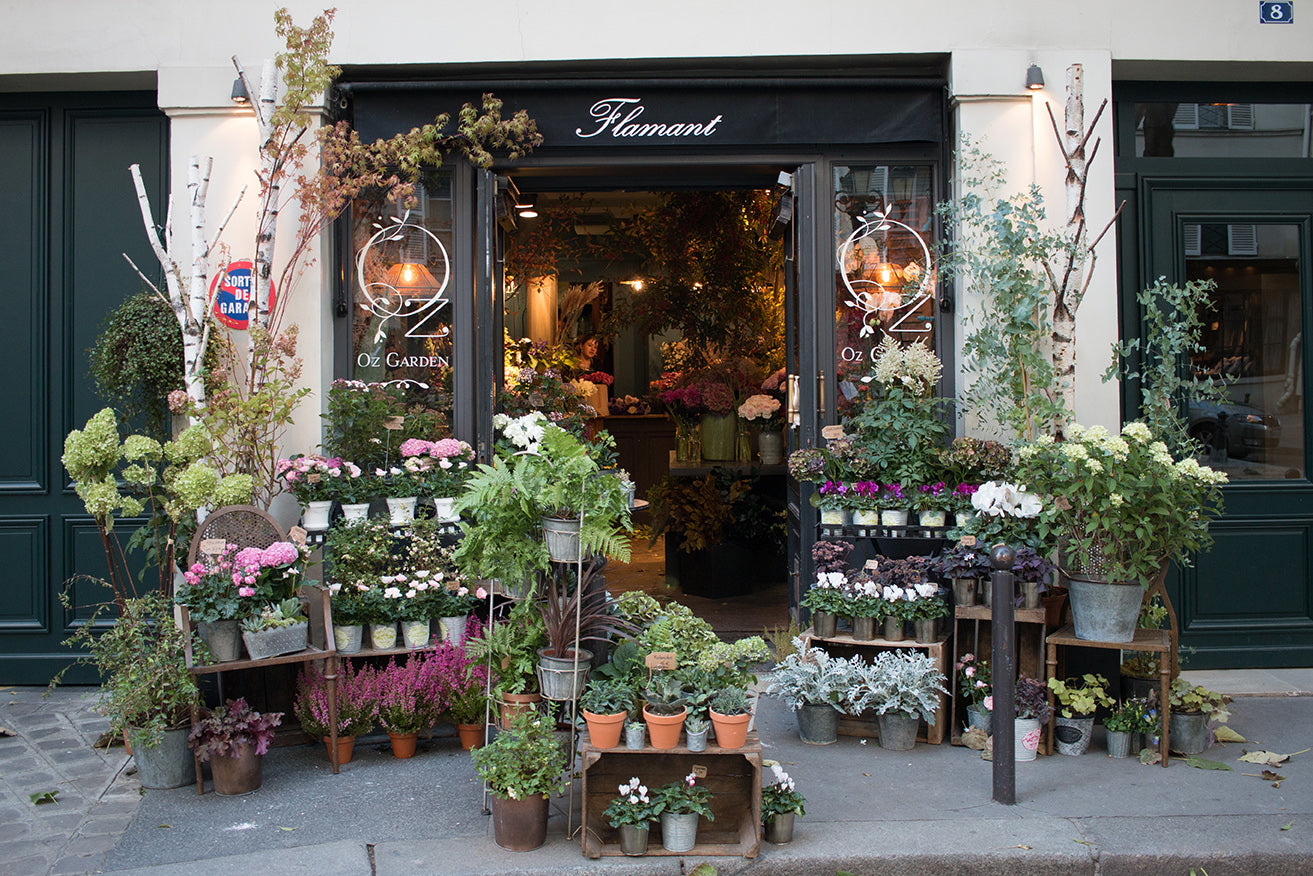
<point x="516" y="704"/>
<point x="471" y="736"/>
<point x="519" y="825"/>
<point x="604" y="730"/>
<point x="663" y="730"/>
<point x="731" y="730"/>
<point x="239" y="774"/>
<point x="345" y="746"/>
<point x="403" y="744"/>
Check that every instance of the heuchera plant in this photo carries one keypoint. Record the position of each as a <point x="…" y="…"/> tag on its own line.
<point x="231" y="726"/>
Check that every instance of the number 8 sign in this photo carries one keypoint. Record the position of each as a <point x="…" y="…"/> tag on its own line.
<point x="1282" y="12"/>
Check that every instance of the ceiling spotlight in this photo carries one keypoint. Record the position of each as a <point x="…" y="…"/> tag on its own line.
<point x="239" y="95"/>
<point x="1034" y="77"/>
<point x="524" y="205"/>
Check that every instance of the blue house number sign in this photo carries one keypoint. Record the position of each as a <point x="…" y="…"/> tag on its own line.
<point x="1282" y="12"/>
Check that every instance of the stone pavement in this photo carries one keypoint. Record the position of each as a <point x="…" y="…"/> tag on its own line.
<point x="869" y="811"/>
<point x="52" y="750"/>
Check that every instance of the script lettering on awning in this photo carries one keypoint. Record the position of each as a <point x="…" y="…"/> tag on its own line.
<point x="620" y="116"/>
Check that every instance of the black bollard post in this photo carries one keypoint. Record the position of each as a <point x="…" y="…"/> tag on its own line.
<point x="1004" y="673"/>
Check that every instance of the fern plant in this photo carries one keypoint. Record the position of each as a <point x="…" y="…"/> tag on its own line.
<point x="900" y="682"/>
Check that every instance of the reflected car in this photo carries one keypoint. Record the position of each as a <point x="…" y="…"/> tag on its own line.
<point x="1247" y="428"/>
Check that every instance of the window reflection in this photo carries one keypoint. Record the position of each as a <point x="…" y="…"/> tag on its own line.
<point x="1254" y="340"/>
<point x="1222" y="130"/>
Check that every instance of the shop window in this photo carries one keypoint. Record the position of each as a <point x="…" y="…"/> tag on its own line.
<point x="401" y="291"/>
<point x="885" y="281"/>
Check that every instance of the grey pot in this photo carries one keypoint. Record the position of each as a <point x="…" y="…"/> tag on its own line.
<point x="635" y="736"/>
<point x="562" y="538"/>
<point x="281" y="640"/>
<point x="964" y="591"/>
<point x="558" y="677"/>
<point x="633" y="839"/>
<point x="779" y="830"/>
<point x="223" y="638"/>
<point x="898" y="731"/>
<point x="894" y="629"/>
<point x="1188" y="733"/>
<point x="980" y="718"/>
<point x="824" y="624"/>
<point x="679" y="831"/>
<point x="1119" y="743"/>
<point x="818" y="724"/>
<point x="926" y="629"/>
<point x="863" y="628"/>
<point x="1104" y="611"/>
<point x="697" y="741"/>
<point x="1030" y="594"/>
<point x="1071" y="736"/>
<point x="167" y="765"/>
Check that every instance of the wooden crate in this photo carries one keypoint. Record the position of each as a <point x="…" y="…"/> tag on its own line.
<point x="865" y="725"/>
<point x="973" y="635"/>
<point x="734" y="778"/>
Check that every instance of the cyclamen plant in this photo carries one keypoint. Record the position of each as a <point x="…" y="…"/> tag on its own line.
<point x="827" y="593"/>
<point x="685" y="797"/>
<point x="780" y="797"/>
<point x="632" y="807"/>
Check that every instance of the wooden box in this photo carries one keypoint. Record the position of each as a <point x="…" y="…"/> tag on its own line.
<point x="734" y="778"/>
<point x="865" y="725"/>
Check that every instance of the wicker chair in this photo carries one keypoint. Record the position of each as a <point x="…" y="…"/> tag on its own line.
<point x="242" y="525"/>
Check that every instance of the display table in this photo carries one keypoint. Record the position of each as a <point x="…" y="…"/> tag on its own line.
<point x="865" y="725"/>
<point x="1153" y="641"/>
<point x="734" y="777"/>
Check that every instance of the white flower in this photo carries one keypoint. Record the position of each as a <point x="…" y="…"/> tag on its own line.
<point x="410" y="594"/>
<point x="334" y="588"/>
<point x="633" y="799"/>
<point x="392" y="593"/>
<point x="926" y="590"/>
<point x="1137" y="432"/>
<point x="387" y="579"/>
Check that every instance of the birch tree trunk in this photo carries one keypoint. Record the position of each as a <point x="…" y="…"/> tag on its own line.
<point x="1067" y="297"/>
<point x="266" y="232"/>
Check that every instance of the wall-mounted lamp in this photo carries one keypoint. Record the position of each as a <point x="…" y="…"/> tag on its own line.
<point x="1034" y="77"/>
<point x="524" y="206"/>
<point x="239" y="95"/>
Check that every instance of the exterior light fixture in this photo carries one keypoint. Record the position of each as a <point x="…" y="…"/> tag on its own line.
<point x="524" y="205"/>
<point x="239" y="95"/>
<point x="1034" y="77"/>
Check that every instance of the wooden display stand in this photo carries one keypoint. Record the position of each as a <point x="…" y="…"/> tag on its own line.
<point x="973" y="635"/>
<point x="1155" y="641"/>
<point x="734" y="777"/>
<point x="866" y="725"/>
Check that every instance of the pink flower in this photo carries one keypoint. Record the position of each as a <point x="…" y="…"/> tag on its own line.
<point x="969" y="672"/>
<point x="415" y="447"/>
<point x="989" y="703"/>
<point x="245" y="591"/>
<point x="280" y="553"/>
<point x="481" y="593"/>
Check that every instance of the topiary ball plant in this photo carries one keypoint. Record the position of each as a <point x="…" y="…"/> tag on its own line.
<point x="136" y="361"/>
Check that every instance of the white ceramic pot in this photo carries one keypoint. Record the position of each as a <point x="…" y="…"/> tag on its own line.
<point x="893" y="517"/>
<point x="446" y="509"/>
<point x="401" y="512"/>
<point x="1026" y="740"/>
<point x="866" y="517"/>
<point x="834" y="516"/>
<point x="355" y="512"/>
<point x="383" y="636"/>
<point x="315" y="516"/>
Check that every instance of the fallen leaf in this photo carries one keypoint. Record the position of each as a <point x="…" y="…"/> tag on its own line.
<point x="1226" y="734"/>
<point x="1288" y="825"/>
<point x="1083" y="842"/>
<point x="158" y="826"/>
<point x="1150" y="756"/>
<point x="1017" y="846"/>
<point x="1200" y="763"/>
<point x="868" y="775"/>
<point x="40" y="798"/>
<point x="287" y="828"/>
<point x="1267" y="758"/>
<point x="5" y="731"/>
<point x="703" y="870"/>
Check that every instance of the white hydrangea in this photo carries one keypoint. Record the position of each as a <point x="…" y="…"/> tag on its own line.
<point x="1137" y="432"/>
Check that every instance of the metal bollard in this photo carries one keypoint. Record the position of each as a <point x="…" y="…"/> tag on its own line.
<point x="1004" y="672"/>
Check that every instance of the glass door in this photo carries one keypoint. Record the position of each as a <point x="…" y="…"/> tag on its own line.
<point x="1248" y="601"/>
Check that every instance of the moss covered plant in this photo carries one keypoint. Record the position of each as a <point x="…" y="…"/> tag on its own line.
<point x="136" y="361"/>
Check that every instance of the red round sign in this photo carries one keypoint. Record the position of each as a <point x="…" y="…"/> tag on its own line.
<point x="232" y="297"/>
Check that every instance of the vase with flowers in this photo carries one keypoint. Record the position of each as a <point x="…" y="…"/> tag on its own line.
<point x="234" y="739"/>
<point x="444" y="466"/>
<point x="680" y="804"/>
<point x="766" y="413"/>
<point x="313" y="479"/>
<point x="1121" y="509"/>
<point x="781" y="803"/>
<point x="973" y="682"/>
<point x="214" y="604"/>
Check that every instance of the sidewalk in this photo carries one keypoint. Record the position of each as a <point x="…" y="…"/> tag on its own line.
<point x="869" y="810"/>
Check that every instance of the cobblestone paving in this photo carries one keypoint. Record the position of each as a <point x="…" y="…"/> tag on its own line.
<point x="53" y="751"/>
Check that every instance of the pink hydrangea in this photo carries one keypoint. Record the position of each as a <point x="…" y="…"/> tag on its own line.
<point x="448" y="448"/>
<point x="415" y="447"/>
<point x="280" y="553"/>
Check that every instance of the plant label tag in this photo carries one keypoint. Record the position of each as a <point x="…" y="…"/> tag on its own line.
<point x="662" y="660"/>
<point x="393" y="423"/>
<point x="968" y="541"/>
<point x="832" y="433"/>
<point x="871" y="565"/>
<point x="699" y="770"/>
<point x="213" y="546"/>
<point x="298" y="535"/>
<point x="314" y="477"/>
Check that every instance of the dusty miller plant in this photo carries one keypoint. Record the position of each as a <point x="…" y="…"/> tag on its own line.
<point x="1000" y="253"/>
<point x="900" y="682"/>
<point x="810" y="676"/>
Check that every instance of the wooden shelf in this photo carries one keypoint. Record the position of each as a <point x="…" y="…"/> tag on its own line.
<point x="733" y="775"/>
<point x="865" y="724"/>
<point x="704" y="467"/>
<point x="985" y="613"/>
<point x="311" y="653"/>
